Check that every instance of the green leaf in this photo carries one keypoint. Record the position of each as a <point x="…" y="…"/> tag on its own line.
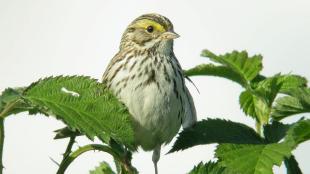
<point x="216" y="131"/>
<point x="252" y="159"/>
<point x="256" y="80"/>
<point x="268" y="89"/>
<point x="103" y="168"/>
<point x="7" y="96"/>
<point x="288" y="81"/>
<point x="246" y="101"/>
<point x="11" y="102"/>
<point x="208" y="168"/>
<point x="245" y="67"/>
<point x="213" y="70"/>
<point x="84" y="105"/>
<point x="297" y="103"/>
<point x="275" y="131"/>
<point x="66" y="132"/>
<point x="263" y="97"/>
<point x="291" y="81"/>
<point x="292" y="166"/>
<point x="288" y="106"/>
<point x="298" y="133"/>
<point x="258" y="102"/>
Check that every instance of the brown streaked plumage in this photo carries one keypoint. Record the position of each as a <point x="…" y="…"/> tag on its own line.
<point x="146" y="76"/>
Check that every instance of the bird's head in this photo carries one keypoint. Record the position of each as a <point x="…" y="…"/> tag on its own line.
<point x="149" y="31"/>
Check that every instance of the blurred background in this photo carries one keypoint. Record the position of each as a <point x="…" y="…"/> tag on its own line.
<point x="40" y="38"/>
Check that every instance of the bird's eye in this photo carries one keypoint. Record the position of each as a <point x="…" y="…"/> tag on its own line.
<point x="150" y="29"/>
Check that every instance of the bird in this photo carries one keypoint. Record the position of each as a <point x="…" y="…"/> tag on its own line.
<point x="147" y="77"/>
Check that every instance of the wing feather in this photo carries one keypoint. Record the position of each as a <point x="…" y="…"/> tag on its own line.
<point x="190" y="116"/>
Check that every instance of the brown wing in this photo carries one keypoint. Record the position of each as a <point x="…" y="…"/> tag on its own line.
<point x="105" y="77"/>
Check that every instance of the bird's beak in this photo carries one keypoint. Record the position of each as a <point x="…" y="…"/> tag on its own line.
<point x="169" y="35"/>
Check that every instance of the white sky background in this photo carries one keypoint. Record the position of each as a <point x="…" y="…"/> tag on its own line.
<point x="39" y="38"/>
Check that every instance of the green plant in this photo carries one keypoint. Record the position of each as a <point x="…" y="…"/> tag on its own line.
<point x="242" y="149"/>
<point x="85" y="106"/>
<point x="89" y="109"/>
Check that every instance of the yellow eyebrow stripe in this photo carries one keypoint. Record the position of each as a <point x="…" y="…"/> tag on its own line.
<point x="144" y="23"/>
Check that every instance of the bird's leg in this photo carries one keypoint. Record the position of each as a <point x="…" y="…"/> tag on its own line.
<point x="155" y="157"/>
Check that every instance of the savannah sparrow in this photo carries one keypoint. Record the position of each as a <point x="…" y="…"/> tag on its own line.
<point x="146" y="76"/>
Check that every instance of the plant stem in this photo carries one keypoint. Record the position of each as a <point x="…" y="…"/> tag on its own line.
<point x="70" y="158"/>
<point x="259" y="128"/>
<point x="68" y="149"/>
<point x="3" y="114"/>
<point x="1" y="142"/>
